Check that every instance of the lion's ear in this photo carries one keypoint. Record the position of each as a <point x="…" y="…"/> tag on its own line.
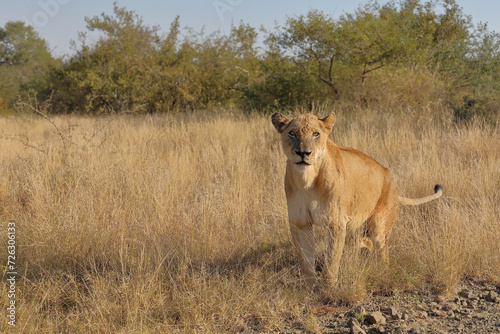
<point x="327" y="123"/>
<point x="280" y="122"/>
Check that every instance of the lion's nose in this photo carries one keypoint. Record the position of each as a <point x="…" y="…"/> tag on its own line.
<point x="303" y="154"/>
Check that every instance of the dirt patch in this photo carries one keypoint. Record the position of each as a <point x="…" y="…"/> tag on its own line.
<point x="474" y="309"/>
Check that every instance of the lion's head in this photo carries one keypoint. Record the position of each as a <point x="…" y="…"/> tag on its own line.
<point x="303" y="137"/>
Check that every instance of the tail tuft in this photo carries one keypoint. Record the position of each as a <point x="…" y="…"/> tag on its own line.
<point x="438" y="189"/>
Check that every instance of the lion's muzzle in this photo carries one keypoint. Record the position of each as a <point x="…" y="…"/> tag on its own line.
<point x="304" y="155"/>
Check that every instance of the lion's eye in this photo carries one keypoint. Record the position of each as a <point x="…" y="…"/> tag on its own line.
<point x="292" y="134"/>
<point x="316" y="134"/>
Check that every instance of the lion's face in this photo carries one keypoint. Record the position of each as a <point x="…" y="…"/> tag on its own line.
<point x="303" y="137"/>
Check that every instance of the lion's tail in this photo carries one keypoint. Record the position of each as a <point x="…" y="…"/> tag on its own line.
<point x="438" y="191"/>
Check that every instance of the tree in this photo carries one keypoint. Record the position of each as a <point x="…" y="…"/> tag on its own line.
<point x="344" y="53"/>
<point x="23" y="56"/>
<point x="113" y="74"/>
<point x="313" y="37"/>
<point x="21" y="44"/>
<point x="404" y="53"/>
<point x="353" y="46"/>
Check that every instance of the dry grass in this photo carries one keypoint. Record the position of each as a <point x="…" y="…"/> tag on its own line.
<point x="178" y="223"/>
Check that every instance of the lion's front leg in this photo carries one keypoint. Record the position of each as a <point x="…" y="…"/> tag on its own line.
<point x="335" y="246"/>
<point x="303" y="240"/>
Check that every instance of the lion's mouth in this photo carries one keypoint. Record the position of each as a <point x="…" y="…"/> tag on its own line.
<point x="302" y="163"/>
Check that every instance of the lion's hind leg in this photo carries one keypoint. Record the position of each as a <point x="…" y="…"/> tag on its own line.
<point x="384" y="216"/>
<point x="380" y="227"/>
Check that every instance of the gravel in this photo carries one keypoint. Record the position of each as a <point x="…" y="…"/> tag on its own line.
<point x="474" y="309"/>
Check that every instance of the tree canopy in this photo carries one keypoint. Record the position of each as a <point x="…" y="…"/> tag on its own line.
<point x="23" y="56"/>
<point x="402" y="53"/>
<point x="21" y="44"/>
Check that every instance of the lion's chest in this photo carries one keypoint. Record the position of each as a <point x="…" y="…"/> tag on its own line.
<point x="307" y="207"/>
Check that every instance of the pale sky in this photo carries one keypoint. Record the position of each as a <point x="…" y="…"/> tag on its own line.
<point x="59" y="21"/>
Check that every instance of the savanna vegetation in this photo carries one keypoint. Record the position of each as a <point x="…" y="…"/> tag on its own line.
<point x="166" y="213"/>
<point x="393" y="56"/>
<point x="178" y="223"/>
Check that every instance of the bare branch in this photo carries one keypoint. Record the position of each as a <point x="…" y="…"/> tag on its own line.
<point x="42" y="111"/>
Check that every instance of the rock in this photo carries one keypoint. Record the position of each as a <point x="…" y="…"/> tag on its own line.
<point x="375" y="318"/>
<point x="423" y="307"/>
<point x="440" y="299"/>
<point x="433" y="306"/>
<point x="390" y="310"/>
<point x="479" y="316"/>
<point x="417" y="330"/>
<point x="376" y="330"/>
<point x="397" y="330"/>
<point x="352" y="322"/>
<point x="333" y="324"/>
<point x="492" y="296"/>
<point x="450" y="307"/>
<point x="405" y="316"/>
<point x="465" y="311"/>
<point x="356" y="329"/>
<point x="488" y="286"/>
<point x="422" y="314"/>
<point x="439" y="313"/>
<point x="465" y="293"/>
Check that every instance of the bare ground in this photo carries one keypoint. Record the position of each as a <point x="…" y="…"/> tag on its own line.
<point x="474" y="308"/>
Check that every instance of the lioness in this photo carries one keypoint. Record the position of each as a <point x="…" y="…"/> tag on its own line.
<point x="336" y="187"/>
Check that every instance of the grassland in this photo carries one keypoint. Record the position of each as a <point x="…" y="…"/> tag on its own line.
<point x="168" y="223"/>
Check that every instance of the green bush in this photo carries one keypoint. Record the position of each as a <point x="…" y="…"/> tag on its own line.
<point x="395" y="57"/>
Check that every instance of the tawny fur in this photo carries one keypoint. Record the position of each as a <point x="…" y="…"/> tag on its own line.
<point x="340" y="188"/>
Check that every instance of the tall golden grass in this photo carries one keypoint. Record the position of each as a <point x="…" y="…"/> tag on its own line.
<point x="170" y="223"/>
